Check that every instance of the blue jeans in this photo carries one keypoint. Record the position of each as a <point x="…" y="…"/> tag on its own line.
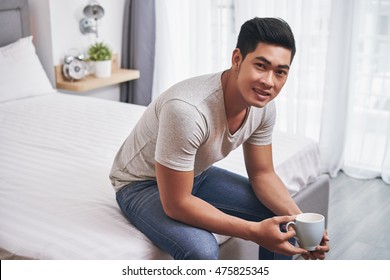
<point x="227" y="191"/>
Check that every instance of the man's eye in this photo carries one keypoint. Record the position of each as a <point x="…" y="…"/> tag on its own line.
<point x="260" y="65"/>
<point x="281" y="73"/>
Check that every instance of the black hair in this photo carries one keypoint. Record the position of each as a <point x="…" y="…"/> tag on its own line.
<point x="267" y="30"/>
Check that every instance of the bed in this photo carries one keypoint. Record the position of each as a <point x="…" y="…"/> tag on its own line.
<point x="56" y="200"/>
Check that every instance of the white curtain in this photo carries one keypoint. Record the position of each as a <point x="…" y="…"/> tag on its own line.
<point x="193" y="37"/>
<point x="367" y="145"/>
<point x="338" y="91"/>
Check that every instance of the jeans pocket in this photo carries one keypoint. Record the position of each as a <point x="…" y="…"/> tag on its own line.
<point x="135" y="194"/>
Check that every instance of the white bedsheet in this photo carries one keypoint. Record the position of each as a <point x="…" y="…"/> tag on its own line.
<point x="56" y="200"/>
<point x="296" y="160"/>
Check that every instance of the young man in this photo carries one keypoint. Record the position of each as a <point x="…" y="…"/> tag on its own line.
<point x="163" y="174"/>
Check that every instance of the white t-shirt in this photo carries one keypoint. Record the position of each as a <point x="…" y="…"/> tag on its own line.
<point x="186" y="129"/>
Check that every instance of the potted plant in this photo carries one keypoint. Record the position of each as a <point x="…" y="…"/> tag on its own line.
<point x="101" y="55"/>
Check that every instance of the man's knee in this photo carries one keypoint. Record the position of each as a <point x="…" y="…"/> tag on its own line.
<point x="199" y="245"/>
<point x="205" y="251"/>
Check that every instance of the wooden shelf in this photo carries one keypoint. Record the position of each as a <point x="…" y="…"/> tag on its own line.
<point x="91" y="82"/>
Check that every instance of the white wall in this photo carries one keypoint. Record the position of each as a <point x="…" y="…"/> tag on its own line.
<point x="55" y="27"/>
<point x="40" y="28"/>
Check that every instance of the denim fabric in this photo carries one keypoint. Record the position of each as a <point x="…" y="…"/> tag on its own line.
<point x="227" y="191"/>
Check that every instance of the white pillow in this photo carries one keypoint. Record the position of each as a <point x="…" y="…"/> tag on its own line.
<point x="21" y="72"/>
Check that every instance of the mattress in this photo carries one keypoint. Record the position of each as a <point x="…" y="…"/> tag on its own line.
<point x="56" y="200"/>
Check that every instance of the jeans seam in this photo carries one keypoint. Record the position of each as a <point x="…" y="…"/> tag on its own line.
<point x="173" y="242"/>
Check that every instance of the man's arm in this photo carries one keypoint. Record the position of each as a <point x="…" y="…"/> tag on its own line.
<point x="267" y="185"/>
<point x="179" y="204"/>
<point x="271" y="190"/>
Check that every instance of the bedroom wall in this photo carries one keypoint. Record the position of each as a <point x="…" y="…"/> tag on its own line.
<point x="55" y="27"/>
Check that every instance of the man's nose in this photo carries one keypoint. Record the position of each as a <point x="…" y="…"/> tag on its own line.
<point x="267" y="79"/>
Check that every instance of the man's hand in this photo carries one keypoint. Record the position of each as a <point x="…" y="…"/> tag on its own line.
<point x="268" y="235"/>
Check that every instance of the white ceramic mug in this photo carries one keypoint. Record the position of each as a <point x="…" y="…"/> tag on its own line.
<point x="309" y="228"/>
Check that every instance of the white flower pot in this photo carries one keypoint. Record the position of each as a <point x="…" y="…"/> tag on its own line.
<point x="103" y="68"/>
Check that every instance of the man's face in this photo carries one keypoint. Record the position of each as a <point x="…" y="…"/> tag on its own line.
<point x="262" y="74"/>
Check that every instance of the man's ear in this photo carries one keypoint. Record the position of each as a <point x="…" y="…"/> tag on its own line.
<point x="236" y="58"/>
